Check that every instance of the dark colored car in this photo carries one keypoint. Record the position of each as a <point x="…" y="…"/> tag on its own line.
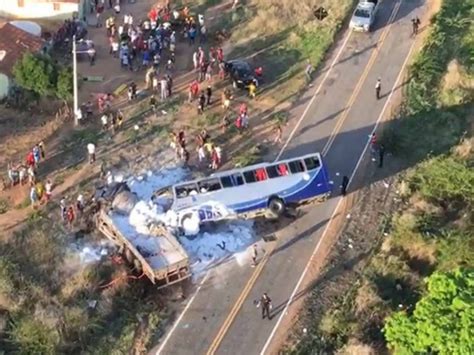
<point x="241" y="73"/>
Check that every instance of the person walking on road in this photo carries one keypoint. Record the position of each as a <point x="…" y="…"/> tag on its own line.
<point x="415" y="25"/>
<point x="381" y="155"/>
<point x="344" y="184"/>
<point x="309" y="72"/>
<point x="378" y="87"/>
<point x="266" y="304"/>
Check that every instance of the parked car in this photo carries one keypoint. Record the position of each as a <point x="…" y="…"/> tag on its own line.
<point x="241" y="73"/>
<point x="364" y="15"/>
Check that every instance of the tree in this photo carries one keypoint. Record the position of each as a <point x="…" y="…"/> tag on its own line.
<point x="443" y="320"/>
<point x="64" y="87"/>
<point x="36" y="73"/>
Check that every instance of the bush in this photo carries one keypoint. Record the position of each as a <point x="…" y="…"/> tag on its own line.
<point x="36" y="73"/>
<point x="443" y="320"/>
<point x="444" y="180"/>
<point x="64" y="87"/>
<point x="30" y="336"/>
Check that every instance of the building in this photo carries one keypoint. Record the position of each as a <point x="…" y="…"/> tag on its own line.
<point x="51" y="9"/>
<point x="14" y="42"/>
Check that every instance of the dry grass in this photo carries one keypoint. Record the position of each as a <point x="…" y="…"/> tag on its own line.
<point x="366" y="298"/>
<point x="355" y="347"/>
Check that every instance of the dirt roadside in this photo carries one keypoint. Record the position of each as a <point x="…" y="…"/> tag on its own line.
<point x="352" y="236"/>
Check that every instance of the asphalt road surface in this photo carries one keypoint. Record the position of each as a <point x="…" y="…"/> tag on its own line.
<point x="335" y="116"/>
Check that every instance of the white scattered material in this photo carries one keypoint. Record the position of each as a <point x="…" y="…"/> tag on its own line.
<point x="163" y="112"/>
<point x="136" y="127"/>
<point x="206" y="249"/>
<point x="305" y="330"/>
<point x="191" y="225"/>
<point x="387" y="185"/>
<point x="348" y="216"/>
<point x="91" y="252"/>
<point x="209" y="248"/>
<point x="337" y="174"/>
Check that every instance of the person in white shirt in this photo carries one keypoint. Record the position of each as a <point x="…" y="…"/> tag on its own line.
<point x="91" y="151"/>
<point x="48" y="189"/>
<point x="104" y="120"/>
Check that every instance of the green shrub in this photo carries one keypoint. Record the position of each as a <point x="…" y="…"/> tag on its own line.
<point x="443" y="320"/>
<point x="30" y="336"/>
<point x="444" y="180"/>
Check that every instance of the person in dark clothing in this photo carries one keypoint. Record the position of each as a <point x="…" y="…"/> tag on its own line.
<point x="415" y="25"/>
<point x="378" y="87"/>
<point x="381" y="155"/>
<point x="266" y="304"/>
<point x="208" y="95"/>
<point x="201" y="103"/>
<point x="344" y="183"/>
<point x="169" y="79"/>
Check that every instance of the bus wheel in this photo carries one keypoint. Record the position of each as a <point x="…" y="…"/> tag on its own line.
<point x="276" y="207"/>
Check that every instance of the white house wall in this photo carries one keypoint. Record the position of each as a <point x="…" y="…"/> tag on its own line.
<point x="31" y="9"/>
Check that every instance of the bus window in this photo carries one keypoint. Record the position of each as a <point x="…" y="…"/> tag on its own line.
<point x="209" y="185"/>
<point x="226" y="181"/>
<point x="250" y="176"/>
<point x="238" y="179"/>
<point x="312" y="163"/>
<point x="283" y="169"/>
<point x="261" y="174"/>
<point x="183" y="191"/>
<point x="272" y="172"/>
<point x="296" y="166"/>
<point x="275" y="171"/>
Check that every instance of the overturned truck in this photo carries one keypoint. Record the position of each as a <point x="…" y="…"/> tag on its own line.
<point x="159" y="255"/>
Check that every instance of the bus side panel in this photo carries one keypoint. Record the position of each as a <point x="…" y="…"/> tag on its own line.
<point x="316" y="187"/>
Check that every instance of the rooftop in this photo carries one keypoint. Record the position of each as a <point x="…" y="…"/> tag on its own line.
<point x="14" y="42"/>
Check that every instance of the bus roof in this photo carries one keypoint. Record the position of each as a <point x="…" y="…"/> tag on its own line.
<point x="247" y="168"/>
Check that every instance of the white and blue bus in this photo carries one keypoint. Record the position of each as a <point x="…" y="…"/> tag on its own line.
<point x="266" y="188"/>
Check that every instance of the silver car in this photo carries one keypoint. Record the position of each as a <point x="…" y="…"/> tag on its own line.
<point x="364" y="15"/>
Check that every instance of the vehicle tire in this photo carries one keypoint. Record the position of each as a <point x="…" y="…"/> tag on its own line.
<point x="276" y="207"/>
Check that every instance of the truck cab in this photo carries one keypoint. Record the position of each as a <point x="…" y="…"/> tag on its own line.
<point x="364" y="15"/>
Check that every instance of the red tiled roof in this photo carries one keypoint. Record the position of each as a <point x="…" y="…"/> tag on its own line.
<point x="15" y="43"/>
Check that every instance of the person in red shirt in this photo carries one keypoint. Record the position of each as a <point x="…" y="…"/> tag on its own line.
<point x="194" y="88"/>
<point x="30" y="159"/>
<point x="243" y="109"/>
<point x="70" y="216"/>
<point x="220" y="54"/>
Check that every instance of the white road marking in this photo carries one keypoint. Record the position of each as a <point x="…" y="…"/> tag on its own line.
<point x="173" y="328"/>
<point x="333" y="63"/>
<point x="303" y="115"/>
<point x="298" y="284"/>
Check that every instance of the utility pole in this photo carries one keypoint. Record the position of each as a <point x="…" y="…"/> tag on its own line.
<point x="74" y="70"/>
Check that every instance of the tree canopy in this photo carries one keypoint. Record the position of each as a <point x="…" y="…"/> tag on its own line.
<point x="36" y="73"/>
<point x="443" y="320"/>
<point x="39" y="74"/>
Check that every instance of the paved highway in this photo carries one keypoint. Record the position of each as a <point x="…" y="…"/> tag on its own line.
<point x="335" y="117"/>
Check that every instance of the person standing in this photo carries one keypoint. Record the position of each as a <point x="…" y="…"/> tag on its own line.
<point x="278" y="135"/>
<point x="169" y="80"/>
<point x="381" y="155"/>
<point x="254" y="255"/>
<point x="344" y="184"/>
<point x="48" y="187"/>
<point x="164" y="88"/>
<point x="208" y="95"/>
<point x="91" y="152"/>
<point x="309" y="72"/>
<point x="378" y="87"/>
<point x="33" y="196"/>
<point x="252" y="90"/>
<point x="266" y="304"/>
<point x="201" y="103"/>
